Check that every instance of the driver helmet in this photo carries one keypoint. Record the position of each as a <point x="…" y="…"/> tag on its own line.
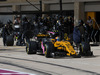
<point x="57" y="38"/>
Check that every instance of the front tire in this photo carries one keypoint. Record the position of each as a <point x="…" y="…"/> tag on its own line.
<point x="49" y="48"/>
<point x="31" y="47"/>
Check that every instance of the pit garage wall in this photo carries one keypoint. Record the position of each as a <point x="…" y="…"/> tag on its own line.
<point x="48" y="7"/>
<point x="69" y="6"/>
<point x="5" y="18"/>
<point x="27" y="7"/>
<point x="92" y="7"/>
<point x="86" y="7"/>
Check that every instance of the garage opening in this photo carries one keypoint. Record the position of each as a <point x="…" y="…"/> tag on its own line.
<point x="96" y="25"/>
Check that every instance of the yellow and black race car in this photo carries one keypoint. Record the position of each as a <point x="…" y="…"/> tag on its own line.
<point x="50" y="47"/>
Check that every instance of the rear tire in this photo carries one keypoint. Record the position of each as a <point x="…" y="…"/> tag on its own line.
<point x="85" y="49"/>
<point x="49" y="48"/>
<point x="31" y="47"/>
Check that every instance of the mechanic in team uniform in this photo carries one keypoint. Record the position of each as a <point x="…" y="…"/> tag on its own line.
<point x="7" y="30"/>
<point x="17" y="20"/>
<point x="26" y="27"/>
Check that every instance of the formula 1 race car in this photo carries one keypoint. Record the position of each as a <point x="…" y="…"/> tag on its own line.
<point x="50" y="47"/>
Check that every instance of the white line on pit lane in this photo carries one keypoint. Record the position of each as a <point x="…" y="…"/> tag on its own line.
<point x="15" y="71"/>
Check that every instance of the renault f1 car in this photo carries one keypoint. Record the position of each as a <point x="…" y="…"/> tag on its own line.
<point x="50" y="46"/>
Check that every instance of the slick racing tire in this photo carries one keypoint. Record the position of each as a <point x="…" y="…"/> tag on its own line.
<point x="85" y="49"/>
<point x="49" y="48"/>
<point x="31" y="47"/>
<point x="10" y="40"/>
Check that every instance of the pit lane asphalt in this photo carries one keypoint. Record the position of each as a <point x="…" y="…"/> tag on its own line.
<point x="15" y="58"/>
